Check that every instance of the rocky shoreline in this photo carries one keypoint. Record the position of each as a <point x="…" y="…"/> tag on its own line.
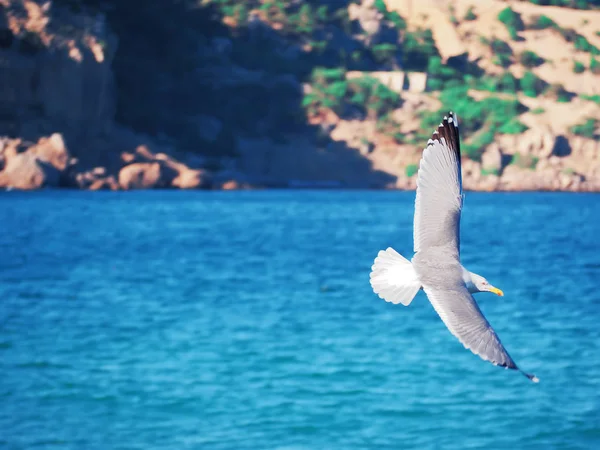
<point x="76" y="116"/>
<point x="49" y="164"/>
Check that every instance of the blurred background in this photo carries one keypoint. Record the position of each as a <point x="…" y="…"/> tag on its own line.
<point x="184" y="316"/>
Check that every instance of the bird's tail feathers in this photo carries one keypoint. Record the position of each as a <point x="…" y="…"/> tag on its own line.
<point x="393" y="277"/>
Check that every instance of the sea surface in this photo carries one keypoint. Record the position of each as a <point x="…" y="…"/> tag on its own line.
<point x="245" y="320"/>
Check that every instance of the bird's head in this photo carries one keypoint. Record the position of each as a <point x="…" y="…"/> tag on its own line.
<point x="476" y="283"/>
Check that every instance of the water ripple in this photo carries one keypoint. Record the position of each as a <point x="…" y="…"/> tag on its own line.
<point x="245" y="320"/>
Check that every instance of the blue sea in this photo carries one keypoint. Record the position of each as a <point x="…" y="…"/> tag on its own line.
<point x="245" y="320"/>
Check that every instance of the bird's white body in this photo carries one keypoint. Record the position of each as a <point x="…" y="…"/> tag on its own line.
<point x="435" y="267"/>
<point x="395" y="280"/>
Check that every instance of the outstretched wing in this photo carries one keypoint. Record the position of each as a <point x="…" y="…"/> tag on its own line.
<point x="439" y="190"/>
<point x="461" y="314"/>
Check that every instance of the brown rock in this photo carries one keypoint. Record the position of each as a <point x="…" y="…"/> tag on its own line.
<point x="127" y="157"/>
<point x="99" y="171"/>
<point x="471" y="172"/>
<point x="105" y="184"/>
<point x="10" y="148"/>
<point x="52" y="150"/>
<point x="368" y="16"/>
<point x="565" y="181"/>
<point x="491" y="159"/>
<point x="489" y="183"/>
<point x="144" y="153"/>
<point x="190" y="179"/>
<point x="96" y="179"/>
<point x="230" y="185"/>
<point x="179" y="175"/>
<point x="404" y="183"/>
<point x="140" y="176"/>
<point x="25" y="171"/>
<point x="548" y="140"/>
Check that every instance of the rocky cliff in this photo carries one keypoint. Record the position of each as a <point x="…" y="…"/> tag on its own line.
<point x="59" y="107"/>
<point x="102" y="94"/>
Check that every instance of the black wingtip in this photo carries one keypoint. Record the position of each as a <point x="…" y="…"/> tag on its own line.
<point x="448" y="130"/>
<point x="531" y="376"/>
<point x="453" y="118"/>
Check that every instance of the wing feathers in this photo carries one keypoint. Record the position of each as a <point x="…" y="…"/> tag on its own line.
<point x="439" y="190"/>
<point x="461" y="314"/>
<point x="438" y="207"/>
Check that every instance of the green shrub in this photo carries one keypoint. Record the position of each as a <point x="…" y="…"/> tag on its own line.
<point x="306" y="20"/>
<point x="491" y="111"/>
<point x="392" y="16"/>
<point x="441" y="75"/>
<point x="482" y="118"/>
<point x="470" y="15"/>
<point x="380" y="6"/>
<point x="576" y="4"/>
<point x="512" y="21"/>
<point x="558" y="92"/>
<point x="375" y="97"/>
<point x="530" y="59"/>
<point x="386" y="124"/>
<point x="434" y="84"/>
<point x="592" y="98"/>
<point x="485" y="172"/>
<point x="240" y="14"/>
<point x="502" y="53"/>
<point x="411" y="170"/>
<point x="474" y="148"/>
<point x="513" y="127"/>
<point x="542" y="22"/>
<point x="483" y="83"/>
<point x="594" y="66"/>
<point x="531" y="85"/>
<point x="418" y="48"/>
<point x="323" y="75"/>
<point x="502" y="60"/>
<point x="578" y="67"/>
<point x="586" y="129"/>
<point x="342" y="19"/>
<point x="506" y="82"/>
<point x="538" y="110"/>
<point x="322" y="13"/>
<point x="384" y="53"/>
<point x="397" y="20"/>
<point x="582" y="44"/>
<point x="568" y="34"/>
<point x="524" y="161"/>
<point x="329" y="89"/>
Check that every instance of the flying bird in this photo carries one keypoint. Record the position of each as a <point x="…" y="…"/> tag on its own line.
<point x="435" y="267"/>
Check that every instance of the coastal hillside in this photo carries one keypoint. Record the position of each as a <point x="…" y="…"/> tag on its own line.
<point x="104" y="94"/>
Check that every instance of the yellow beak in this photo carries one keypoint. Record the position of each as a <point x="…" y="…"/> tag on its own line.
<point x="497" y="291"/>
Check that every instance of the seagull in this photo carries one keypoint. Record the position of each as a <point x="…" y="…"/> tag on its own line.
<point x="435" y="267"/>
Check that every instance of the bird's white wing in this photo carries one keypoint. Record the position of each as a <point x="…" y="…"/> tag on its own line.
<point x="439" y="190"/>
<point x="461" y="314"/>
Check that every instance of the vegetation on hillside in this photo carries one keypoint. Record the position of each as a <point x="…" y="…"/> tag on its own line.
<point x="285" y="44"/>
<point x="589" y="128"/>
<point x="513" y="22"/>
<point x="575" y="4"/>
